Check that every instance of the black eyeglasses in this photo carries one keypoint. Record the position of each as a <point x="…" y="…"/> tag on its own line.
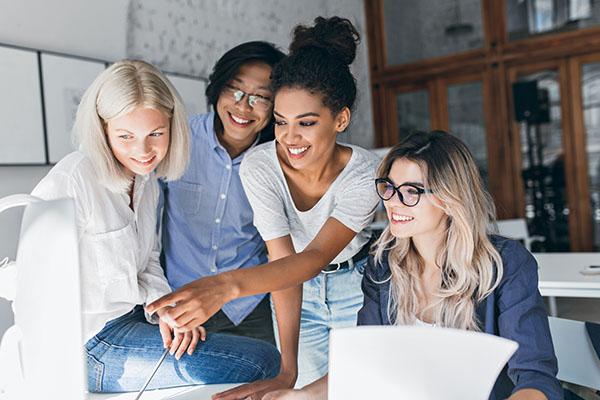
<point x="408" y="193"/>
<point x="254" y="100"/>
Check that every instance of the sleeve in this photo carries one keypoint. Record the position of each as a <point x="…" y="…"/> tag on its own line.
<point x="370" y="313"/>
<point x="357" y="201"/>
<point x="151" y="279"/>
<point x="522" y="318"/>
<point x="268" y="205"/>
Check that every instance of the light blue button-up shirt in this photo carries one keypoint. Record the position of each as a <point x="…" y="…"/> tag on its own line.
<point x="207" y="219"/>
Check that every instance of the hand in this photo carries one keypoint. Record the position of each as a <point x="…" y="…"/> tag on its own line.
<point x="191" y="305"/>
<point x="178" y="342"/>
<point x="256" y="390"/>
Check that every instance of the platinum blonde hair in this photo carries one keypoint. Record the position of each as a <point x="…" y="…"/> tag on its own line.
<point x="117" y="91"/>
<point x="471" y="268"/>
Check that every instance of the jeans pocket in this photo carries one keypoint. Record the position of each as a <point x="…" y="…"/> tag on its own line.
<point x="95" y="372"/>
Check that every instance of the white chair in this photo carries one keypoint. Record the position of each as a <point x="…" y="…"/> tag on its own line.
<point x="578" y="362"/>
<point x="515" y="229"/>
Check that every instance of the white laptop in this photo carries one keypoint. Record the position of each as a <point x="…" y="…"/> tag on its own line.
<point x="42" y="356"/>
<point x="414" y="362"/>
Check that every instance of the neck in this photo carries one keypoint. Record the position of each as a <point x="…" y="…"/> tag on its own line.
<point x="322" y="168"/>
<point x="428" y="245"/>
<point x="235" y="147"/>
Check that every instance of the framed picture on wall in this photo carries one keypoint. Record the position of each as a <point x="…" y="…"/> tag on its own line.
<point x="22" y="134"/>
<point x="65" y="79"/>
<point x="191" y="91"/>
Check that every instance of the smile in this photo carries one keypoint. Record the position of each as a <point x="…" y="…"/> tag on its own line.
<point x="401" y="218"/>
<point x="239" y="120"/>
<point x="146" y="161"/>
<point x="296" y="151"/>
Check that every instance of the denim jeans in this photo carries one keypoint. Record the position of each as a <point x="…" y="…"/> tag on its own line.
<point x="121" y="357"/>
<point x="329" y="301"/>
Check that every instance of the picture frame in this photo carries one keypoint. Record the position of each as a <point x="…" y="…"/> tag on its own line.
<point x="65" y="80"/>
<point x="21" y="111"/>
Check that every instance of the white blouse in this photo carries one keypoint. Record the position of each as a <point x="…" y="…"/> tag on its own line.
<point x="118" y="246"/>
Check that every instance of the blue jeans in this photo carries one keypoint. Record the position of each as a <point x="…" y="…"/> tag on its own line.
<point x="121" y="357"/>
<point x="329" y="301"/>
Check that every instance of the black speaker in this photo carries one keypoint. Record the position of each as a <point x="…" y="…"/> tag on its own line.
<point x="531" y="103"/>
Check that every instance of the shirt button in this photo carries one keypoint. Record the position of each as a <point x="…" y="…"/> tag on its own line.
<point x="228" y="166"/>
<point x="218" y="221"/>
<point x="213" y="269"/>
<point x="215" y="247"/>
<point x="223" y="196"/>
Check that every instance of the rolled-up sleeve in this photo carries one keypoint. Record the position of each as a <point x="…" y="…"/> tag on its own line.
<point x="522" y="317"/>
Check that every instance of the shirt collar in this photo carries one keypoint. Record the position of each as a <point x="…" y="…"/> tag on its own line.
<point x="214" y="140"/>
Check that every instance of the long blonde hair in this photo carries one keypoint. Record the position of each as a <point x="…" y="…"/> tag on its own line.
<point x="471" y="268"/>
<point x="117" y="91"/>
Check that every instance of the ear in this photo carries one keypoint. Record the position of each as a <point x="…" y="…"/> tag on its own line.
<point x="342" y="120"/>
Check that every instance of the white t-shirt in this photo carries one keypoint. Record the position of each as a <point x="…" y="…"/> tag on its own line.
<point x="351" y="199"/>
<point x="118" y="247"/>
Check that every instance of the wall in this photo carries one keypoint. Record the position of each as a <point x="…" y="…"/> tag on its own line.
<point x="189" y="36"/>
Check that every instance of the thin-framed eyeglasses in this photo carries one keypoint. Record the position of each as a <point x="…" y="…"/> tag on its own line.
<point x="254" y="100"/>
<point x="408" y="193"/>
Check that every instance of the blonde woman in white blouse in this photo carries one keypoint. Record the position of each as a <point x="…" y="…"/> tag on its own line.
<point x="132" y="129"/>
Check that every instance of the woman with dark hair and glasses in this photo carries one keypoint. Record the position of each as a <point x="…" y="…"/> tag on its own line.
<point x="439" y="264"/>
<point x="207" y="220"/>
<point x="312" y="198"/>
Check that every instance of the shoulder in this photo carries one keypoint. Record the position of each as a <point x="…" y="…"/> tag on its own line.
<point x="517" y="261"/>
<point x="365" y="158"/>
<point x="76" y="167"/>
<point x="261" y="156"/>
<point x="201" y="124"/>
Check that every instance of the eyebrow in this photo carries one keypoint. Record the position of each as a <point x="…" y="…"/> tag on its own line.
<point x="420" y="184"/>
<point x="153" y="130"/>
<point x="308" y="114"/>
<point x="267" y="88"/>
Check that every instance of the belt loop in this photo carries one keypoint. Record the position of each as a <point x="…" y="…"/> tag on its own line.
<point x="351" y="263"/>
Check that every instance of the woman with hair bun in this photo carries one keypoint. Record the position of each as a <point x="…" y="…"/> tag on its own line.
<point x="312" y="199"/>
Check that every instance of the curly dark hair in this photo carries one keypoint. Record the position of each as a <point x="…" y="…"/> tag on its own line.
<point x="319" y="62"/>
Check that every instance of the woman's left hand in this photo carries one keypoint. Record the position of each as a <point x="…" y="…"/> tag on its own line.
<point x="256" y="390"/>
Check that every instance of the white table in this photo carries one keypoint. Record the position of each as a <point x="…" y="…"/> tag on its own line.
<point x="182" y="393"/>
<point x="559" y="276"/>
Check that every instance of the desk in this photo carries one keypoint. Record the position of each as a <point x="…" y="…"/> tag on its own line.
<point x="180" y="393"/>
<point x="559" y="276"/>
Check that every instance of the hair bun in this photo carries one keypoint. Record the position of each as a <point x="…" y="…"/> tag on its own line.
<point x="335" y="36"/>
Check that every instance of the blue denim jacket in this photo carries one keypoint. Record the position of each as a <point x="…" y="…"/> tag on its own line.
<point x="515" y="310"/>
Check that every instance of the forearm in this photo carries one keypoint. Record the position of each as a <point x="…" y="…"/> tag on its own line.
<point x="288" y="304"/>
<point x="528" y="394"/>
<point x="277" y="275"/>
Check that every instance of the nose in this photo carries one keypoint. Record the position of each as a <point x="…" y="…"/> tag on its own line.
<point x="144" y="146"/>
<point x="243" y="104"/>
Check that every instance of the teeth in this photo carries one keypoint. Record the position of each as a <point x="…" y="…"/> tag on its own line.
<point x="397" y="217"/>
<point x="239" y="120"/>
<point x="144" y="161"/>
<point x="297" y="150"/>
